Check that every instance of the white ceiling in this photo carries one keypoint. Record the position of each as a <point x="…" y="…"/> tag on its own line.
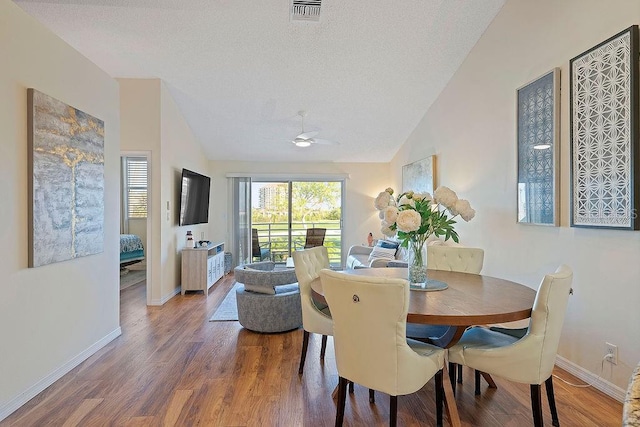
<point x="241" y="70"/>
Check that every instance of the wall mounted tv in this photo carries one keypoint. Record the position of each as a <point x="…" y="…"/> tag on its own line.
<point x="194" y="198"/>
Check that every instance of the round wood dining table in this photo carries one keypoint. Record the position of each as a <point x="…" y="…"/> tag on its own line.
<point x="469" y="299"/>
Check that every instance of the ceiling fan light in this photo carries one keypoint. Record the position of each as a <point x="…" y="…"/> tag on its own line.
<point x="302" y="143"/>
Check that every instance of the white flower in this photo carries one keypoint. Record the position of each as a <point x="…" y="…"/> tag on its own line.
<point x="445" y="196"/>
<point x="422" y="196"/>
<point x="387" y="231"/>
<point x="381" y="214"/>
<point x="383" y="200"/>
<point x="390" y="214"/>
<point x="404" y="200"/>
<point x="408" y="220"/>
<point x="463" y="207"/>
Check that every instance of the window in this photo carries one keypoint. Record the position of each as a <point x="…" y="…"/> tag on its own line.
<point x="135" y="186"/>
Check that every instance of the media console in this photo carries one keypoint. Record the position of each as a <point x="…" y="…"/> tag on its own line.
<point x="202" y="267"/>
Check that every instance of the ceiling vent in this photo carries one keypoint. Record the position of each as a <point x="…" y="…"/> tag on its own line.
<point x="305" y="10"/>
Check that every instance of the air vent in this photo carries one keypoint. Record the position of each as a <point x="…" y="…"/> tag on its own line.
<point x="305" y="10"/>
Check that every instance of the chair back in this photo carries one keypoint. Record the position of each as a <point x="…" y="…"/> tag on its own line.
<point x="547" y="316"/>
<point x="455" y="258"/>
<point x="255" y="243"/>
<point x="315" y="237"/>
<point x="369" y="330"/>
<point x="308" y="263"/>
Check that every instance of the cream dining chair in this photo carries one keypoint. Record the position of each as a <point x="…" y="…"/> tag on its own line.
<point x="315" y="319"/>
<point x="371" y="348"/>
<point x="527" y="360"/>
<point x="449" y="258"/>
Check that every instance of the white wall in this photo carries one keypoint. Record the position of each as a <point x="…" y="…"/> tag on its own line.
<point x="51" y="317"/>
<point x="472" y="130"/>
<point x="151" y="121"/>
<point x="365" y="181"/>
<point x="179" y="149"/>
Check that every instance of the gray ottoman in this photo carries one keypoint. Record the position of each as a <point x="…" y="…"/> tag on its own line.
<point x="269" y="301"/>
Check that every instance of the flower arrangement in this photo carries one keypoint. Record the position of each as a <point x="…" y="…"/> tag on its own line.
<point x="413" y="217"/>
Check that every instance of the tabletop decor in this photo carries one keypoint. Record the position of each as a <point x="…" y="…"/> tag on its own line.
<point x="414" y="217"/>
<point x="604" y="134"/>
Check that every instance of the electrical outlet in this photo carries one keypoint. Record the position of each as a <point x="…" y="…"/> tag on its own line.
<point x="611" y="353"/>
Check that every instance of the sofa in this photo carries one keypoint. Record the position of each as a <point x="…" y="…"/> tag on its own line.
<point x="360" y="256"/>
<point x="269" y="300"/>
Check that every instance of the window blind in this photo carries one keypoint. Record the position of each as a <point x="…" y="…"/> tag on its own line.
<point x="136" y="187"/>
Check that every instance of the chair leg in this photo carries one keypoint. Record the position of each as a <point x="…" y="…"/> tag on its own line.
<point x="459" y="374"/>
<point x="393" y="411"/>
<point x="303" y="355"/>
<point x="342" y="397"/>
<point x="536" y="405"/>
<point x="552" y="401"/>
<point x="439" y="398"/>
<point x="323" y="347"/>
<point x="489" y="380"/>
<point x="477" y="375"/>
<point x="350" y="387"/>
<point x="452" y="376"/>
<point x="372" y="396"/>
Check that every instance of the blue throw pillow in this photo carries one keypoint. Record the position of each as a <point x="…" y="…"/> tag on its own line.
<point x="388" y="244"/>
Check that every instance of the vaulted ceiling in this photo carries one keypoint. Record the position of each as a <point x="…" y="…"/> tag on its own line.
<point x="240" y="71"/>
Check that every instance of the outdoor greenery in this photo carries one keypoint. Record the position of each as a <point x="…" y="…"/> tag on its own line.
<point x="310" y="201"/>
<point x="313" y="205"/>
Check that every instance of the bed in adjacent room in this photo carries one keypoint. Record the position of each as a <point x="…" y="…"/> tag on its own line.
<point x="131" y="249"/>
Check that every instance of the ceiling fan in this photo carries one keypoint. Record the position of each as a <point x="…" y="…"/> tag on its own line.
<point x="305" y="139"/>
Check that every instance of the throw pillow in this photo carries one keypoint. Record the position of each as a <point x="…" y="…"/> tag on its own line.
<point x="388" y="244"/>
<point x="378" y="252"/>
<point x="260" y="289"/>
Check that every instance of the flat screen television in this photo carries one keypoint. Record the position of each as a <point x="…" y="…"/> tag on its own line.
<point x="194" y="198"/>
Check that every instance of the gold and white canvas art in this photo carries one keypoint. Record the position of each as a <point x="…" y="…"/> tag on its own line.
<point x="66" y="188"/>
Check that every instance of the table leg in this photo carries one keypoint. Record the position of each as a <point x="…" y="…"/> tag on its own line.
<point x="450" y="400"/>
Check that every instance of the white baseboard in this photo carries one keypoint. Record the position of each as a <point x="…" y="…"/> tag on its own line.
<point x="599" y="383"/>
<point x="166" y="298"/>
<point x="54" y="376"/>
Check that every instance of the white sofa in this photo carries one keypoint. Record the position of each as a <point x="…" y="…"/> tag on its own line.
<point x="358" y="255"/>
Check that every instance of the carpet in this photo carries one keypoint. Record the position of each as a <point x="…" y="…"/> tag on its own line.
<point x="228" y="309"/>
<point x="131" y="277"/>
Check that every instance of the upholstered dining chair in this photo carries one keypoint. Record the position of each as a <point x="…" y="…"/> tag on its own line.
<point x="449" y="258"/>
<point x="315" y="318"/>
<point x="257" y="251"/>
<point x="315" y="237"/>
<point x="527" y="360"/>
<point x="369" y="323"/>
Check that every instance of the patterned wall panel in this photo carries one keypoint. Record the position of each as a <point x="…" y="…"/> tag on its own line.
<point x="604" y="134"/>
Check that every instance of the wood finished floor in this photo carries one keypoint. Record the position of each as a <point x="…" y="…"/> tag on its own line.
<point x="171" y="366"/>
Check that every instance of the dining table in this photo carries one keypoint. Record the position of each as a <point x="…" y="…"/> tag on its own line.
<point x="466" y="300"/>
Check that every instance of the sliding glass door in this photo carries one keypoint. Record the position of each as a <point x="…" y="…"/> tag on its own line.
<point x="282" y="211"/>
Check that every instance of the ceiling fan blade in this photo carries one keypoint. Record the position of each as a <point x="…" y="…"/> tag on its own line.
<point x="324" y="142"/>
<point x="307" y="135"/>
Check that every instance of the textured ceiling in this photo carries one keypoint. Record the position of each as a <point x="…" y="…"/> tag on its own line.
<point x="240" y="71"/>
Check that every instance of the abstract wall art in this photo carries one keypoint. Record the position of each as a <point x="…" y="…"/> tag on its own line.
<point x="538" y="119"/>
<point x="604" y="134"/>
<point x="419" y="176"/>
<point x="66" y="181"/>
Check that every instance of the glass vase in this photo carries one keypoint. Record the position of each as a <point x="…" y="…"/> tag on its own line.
<point x="417" y="264"/>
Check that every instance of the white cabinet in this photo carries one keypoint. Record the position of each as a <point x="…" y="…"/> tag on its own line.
<point x="202" y="267"/>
